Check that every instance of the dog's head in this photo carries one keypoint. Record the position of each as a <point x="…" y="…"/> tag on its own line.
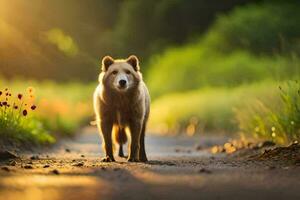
<point x="120" y="75"/>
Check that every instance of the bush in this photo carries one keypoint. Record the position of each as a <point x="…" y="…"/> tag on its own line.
<point x="268" y="28"/>
<point x="252" y="43"/>
<point x="192" y="67"/>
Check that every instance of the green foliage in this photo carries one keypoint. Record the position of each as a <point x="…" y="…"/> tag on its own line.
<point x="252" y="43"/>
<point x="208" y="110"/>
<point x="65" y="40"/>
<point x="268" y="28"/>
<point x="278" y="121"/>
<point x="146" y="27"/>
<point x="18" y="125"/>
<point x="62" y="109"/>
<point x="191" y="67"/>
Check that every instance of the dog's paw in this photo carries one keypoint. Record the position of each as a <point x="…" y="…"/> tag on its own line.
<point x="123" y="156"/>
<point x="107" y="159"/>
<point x="143" y="159"/>
<point x="132" y="160"/>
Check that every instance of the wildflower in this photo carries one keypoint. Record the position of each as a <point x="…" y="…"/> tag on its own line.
<point x="273" y="134"/>
<point x="20" y="96"/>
<point x="16" y="107"/>
<point x="6" y="94"/>
<point x="4" y="103"/>
<point x="0" y="104"/>
<point x="0" y="93"/>
<point x="30" y="90"/>
<point x="31" y="96"/>
<point x="24" y="112"/>
<point x="9" y="94"/>
<point x="33" y="107"/>
<point x="6" y="89"/>
<point x="273" y="129"/>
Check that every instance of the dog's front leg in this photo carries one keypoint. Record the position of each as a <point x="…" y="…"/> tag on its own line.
<point x="106" y="129"/>
<point x="135" y="133"/>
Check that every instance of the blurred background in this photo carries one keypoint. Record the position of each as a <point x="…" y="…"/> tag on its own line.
<point x="212" y="66"/>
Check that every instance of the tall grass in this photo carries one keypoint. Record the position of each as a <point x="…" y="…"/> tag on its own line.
<point x="275" y="118"/>
<point x="205" y="110"/>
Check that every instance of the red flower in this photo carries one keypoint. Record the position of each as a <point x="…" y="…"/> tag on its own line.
<point x="24" y="112"/>
<point x="33" y="107"/>
<point x="20" y="96"/>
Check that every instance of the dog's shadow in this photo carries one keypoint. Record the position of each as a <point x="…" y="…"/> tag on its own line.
<point x="160" y="162"/>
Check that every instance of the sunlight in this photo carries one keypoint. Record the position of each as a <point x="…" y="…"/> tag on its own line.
<point x="62" y="41"/>
<point x="35" y="187"/>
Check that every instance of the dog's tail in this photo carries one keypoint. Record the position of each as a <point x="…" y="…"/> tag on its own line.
<point x="120" y="135"/>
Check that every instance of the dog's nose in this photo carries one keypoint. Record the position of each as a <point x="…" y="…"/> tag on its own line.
<point x="122" y="83"/>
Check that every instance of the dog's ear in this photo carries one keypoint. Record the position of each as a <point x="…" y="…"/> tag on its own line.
<point x="106" y="62"/>
<point x="134" y="62"/>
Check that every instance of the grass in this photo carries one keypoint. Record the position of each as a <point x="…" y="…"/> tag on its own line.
<point x="259" y="111"/>
<point x="61" y="110"/>
<point x="276" y="118"/>
<point x="18" y="123"/>
<point x="227" y="80"/>
<point x="207" y="109"/>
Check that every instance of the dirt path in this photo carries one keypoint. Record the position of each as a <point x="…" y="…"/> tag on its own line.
<point x="176" y="170"/>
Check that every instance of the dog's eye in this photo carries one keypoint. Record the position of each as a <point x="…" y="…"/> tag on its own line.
<point x="127" y="72"/>
<point x="114" y="72"/>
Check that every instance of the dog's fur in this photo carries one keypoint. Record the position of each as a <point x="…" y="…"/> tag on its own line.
<point x="120" y="111"/>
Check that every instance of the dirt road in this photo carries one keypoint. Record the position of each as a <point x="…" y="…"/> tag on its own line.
<point x="176" y="170"/>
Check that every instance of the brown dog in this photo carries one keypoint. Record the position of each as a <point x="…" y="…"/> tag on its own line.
<point x="122" y="106"/>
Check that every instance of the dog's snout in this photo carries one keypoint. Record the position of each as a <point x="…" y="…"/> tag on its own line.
<point x="122" y="83"/>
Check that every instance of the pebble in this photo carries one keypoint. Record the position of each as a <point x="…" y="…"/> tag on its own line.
<point x="68" y="150"/>
<point x="203" y="170"/>
<point x="28" y="167"/>
<point x="12" y="163"/>
<point x="266" y="144"/>
<point x="6" y="155"/>
<point x="199" y="147"/>
<point x="80" y="164"/>
<point x="271" y="167"/>
<point x="5" y="169"/>
<point x="34" y="157"/>
<point x="55" y="171"/>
